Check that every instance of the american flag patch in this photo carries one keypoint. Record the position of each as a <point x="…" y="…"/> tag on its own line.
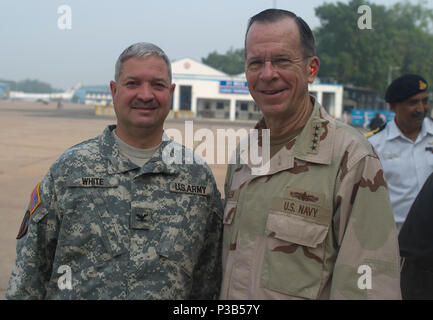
<point x="35" y="199"/>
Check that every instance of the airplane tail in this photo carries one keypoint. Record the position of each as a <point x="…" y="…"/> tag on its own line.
<point x="74" y="88"/>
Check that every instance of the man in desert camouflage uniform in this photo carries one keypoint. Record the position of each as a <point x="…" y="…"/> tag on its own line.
<point x="113" y="219"/>
<point x="318" y="224"/>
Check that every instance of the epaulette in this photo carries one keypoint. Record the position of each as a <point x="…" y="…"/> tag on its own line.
<point x="373" y="132"/>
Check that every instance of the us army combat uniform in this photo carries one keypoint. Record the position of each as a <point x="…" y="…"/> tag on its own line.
<point x="317" y="225"/>
<point x="123" y="231"/>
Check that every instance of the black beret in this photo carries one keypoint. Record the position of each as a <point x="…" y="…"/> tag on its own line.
<point x="405" y="87"/>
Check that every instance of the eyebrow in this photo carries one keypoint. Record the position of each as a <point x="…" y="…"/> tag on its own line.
<point x="415" y="100"/>
<point x="273" y="57"/>
<point x="139" y="79"/>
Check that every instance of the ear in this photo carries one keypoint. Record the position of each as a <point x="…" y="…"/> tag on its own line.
<point x="172" y="87"/>
<point x="313" y="68"/>
<point x="113" y="88"/>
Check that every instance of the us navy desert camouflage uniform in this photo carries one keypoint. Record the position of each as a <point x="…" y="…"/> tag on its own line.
<point x="315" y="225"/>
<point x="125" y="232"/>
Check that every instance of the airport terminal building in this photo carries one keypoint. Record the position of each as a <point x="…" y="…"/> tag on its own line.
<point x="204" y="92"/>
<point x="210" y="93"/>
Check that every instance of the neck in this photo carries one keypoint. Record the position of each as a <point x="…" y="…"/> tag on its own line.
<point x="291" y="122"/>
<point x="410" y="133"/>
<point x="142" y="138"/>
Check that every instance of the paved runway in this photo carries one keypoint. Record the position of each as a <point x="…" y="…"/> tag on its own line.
<point x="32" y="137"/>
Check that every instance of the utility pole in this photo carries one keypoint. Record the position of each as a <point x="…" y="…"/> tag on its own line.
<point x="390" y="69"/>
<point x="275" y="4"/>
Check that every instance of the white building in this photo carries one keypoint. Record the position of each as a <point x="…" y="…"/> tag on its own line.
<point x="210" y="93"/>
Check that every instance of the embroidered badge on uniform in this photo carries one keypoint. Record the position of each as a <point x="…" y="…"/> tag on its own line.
<point x="24" y="226"/>
<point x="422" y="85"/>
<point x="35" y="199"/>
<point x="315" y="137"/>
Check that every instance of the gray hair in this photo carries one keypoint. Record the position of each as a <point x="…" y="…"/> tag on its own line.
<point x="140" y="50"/>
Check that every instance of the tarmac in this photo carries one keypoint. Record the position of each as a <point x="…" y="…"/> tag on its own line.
<point x="33" y="135"/>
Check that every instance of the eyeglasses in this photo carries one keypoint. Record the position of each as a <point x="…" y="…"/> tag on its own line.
<point x="279" y="63"/>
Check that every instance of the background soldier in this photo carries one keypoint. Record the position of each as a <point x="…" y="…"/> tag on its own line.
<point x="109" y="210"/>
<point x="304" y="229"/>
<point x="404" y="145"/>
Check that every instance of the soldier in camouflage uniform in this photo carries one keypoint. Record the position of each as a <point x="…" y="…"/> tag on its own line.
<point x="318" y="224"/>
<point x="108" y="222"/>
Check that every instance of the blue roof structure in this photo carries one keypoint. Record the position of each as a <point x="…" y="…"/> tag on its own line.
<point x="80" y="94"/>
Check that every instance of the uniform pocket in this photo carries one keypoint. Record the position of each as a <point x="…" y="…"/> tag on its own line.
<point x="294" y="254"/>
<point x="167" y="250"/>
<point x="84" y="237"/>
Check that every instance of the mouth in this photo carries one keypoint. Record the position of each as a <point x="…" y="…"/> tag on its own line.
<point x="419" y="116"/>
<point x="144" y="108"/>
<point x="272" y="92"/>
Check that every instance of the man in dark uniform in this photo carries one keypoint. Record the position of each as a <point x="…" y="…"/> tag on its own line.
<point x="416" y="246"/>
<point x="403" y="143"/>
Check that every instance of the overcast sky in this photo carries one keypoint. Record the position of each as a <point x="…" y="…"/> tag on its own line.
<point x="32" y="45"/>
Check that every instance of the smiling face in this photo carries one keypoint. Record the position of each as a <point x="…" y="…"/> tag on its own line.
<point x="277" y="71"/>
<point x="142" y="96"/>
<point x="410" y="113"/>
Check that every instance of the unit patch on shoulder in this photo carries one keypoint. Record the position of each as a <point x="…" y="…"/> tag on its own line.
<point x="35" y="199"/>
<point x="24" y="226"/>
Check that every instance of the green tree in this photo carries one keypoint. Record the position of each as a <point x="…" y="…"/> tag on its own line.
<point x="30" y="86"/>
<point x="232" y="62"/>
<point x="400" y="38"/>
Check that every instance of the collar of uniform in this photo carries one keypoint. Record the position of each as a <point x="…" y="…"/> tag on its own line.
<point x="320" y="127"/>
<point x="316" y="140"/>
<point x="110" y="151"/>
<point x="156" y="164"/>
<point x="394" y="131"/>
<point x="427" y="126"/>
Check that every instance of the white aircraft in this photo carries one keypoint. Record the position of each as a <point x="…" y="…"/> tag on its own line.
<point x="44" y="97"/>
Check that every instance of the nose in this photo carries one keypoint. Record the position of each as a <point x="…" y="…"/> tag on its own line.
<point x="421" y="106"/>
<point x="145" y="92"/>
<point x="268" y="72"/>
